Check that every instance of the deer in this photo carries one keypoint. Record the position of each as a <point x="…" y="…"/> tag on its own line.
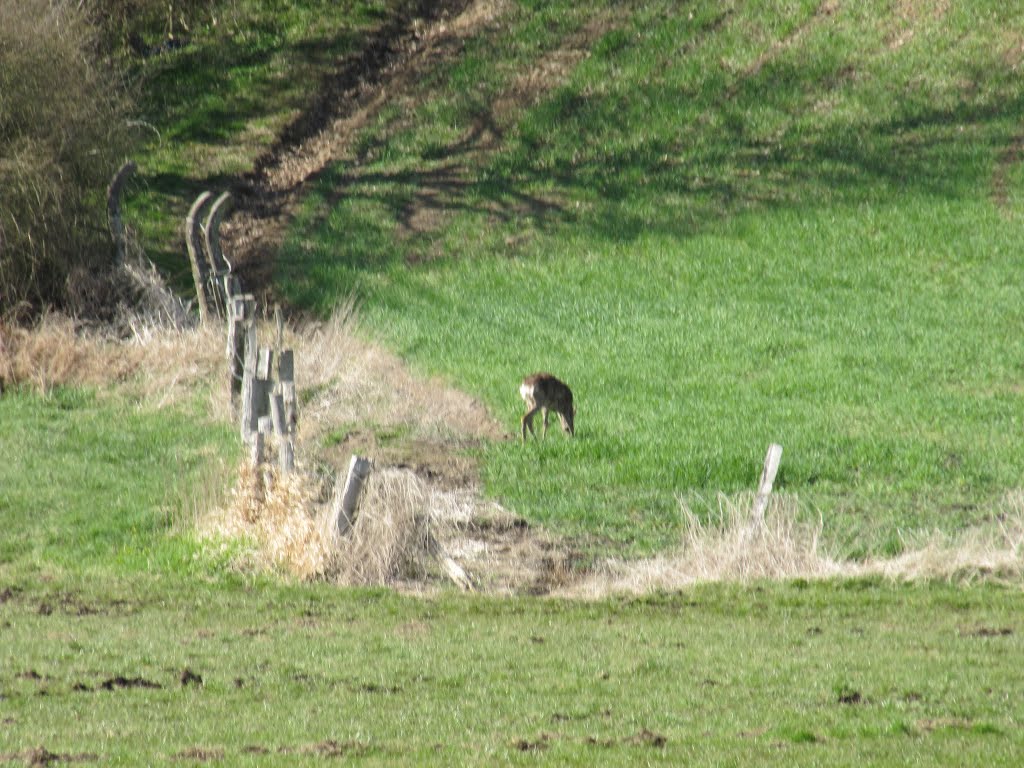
<point x="543" y="392"/>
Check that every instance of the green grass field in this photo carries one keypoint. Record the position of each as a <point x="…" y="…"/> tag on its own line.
<point x="723" y="226"/>
<point x="726" y="228"/>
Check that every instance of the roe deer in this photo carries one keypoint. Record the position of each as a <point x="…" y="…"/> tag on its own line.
<point x="543" y="392"/>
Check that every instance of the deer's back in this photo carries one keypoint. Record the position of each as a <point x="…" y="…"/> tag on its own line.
<point x="546" y="390"/>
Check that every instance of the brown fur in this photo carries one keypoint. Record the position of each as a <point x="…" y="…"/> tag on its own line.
<point x="543" y="392"/>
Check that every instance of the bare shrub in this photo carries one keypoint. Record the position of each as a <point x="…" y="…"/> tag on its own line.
<point x="143" y="24"/>
<point x="62" y="135"/>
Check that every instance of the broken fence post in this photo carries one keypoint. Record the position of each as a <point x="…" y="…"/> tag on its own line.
<point x="343" y="507"/>
<point x="764" y="488"/>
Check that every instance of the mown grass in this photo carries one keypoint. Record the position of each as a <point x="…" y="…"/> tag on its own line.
<point x="125" y="642"/>
<point x="94" y="483"/>
<point x="728" y="226"/>
<point x="262" y="673"/>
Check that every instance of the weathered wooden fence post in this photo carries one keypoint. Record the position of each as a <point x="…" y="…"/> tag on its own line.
<point x="241" y="314"/>
<point x="115" y="221"/>
<point x="764" y="488"/>
<point x="249" y="414"/>
<point x="219" y="265"/>
<point x="346" y="497"/>
<point x="195" y="254"/>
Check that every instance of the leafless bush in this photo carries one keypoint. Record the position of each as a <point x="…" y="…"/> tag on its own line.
<point x="62" y="135"/>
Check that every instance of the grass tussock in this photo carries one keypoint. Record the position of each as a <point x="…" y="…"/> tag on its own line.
<point x="730" y="548"/>
<point x="287" y="523"/>
<point x="158" y="364"/>
<point x="991" y="552"/>
<point x="350" y="381"/>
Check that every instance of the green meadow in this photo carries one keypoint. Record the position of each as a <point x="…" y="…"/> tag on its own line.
<point x="726" y="228"/>
<point x="724" y="225"/>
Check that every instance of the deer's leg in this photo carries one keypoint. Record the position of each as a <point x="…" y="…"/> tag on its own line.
<point x="545" y="412"/>
<point x="527" y="422"/>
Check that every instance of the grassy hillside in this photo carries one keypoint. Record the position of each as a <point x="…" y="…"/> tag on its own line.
<point x="723" y="226"/>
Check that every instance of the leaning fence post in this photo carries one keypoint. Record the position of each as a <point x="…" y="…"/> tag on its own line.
<point x="343" y="507"/>
<point x="195" y="254"/>
<point x="114" y="210"/>
<point x="219" y="266"/>
<point x="764" y="488"/>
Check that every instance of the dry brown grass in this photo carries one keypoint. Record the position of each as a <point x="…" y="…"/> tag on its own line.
<point x="990" y="552"/>
<point x="158" y="366"/>
<point x="732" y="549"/>
<point x="352" y="381"/>
<point x="287" y="522"/>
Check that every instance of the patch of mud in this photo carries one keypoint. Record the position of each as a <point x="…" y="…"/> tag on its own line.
<point x="503" y="554"/>
<point x="41" y="756"/>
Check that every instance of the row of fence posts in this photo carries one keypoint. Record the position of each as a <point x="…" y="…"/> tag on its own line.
<point x="262" y="378"/>
<point x="263" y="394"/>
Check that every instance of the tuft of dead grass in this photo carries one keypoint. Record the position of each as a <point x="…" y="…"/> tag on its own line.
<point x="158" y="365"/>
<point x="288" y="521"/>
<point x="350" y="381"/>
<point x="730" y="548"/>
<point x="990" y="552"/>
<point x="280" y="516"/>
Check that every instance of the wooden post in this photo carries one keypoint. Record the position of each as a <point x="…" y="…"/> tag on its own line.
<point x="256" y="447"/>
<point x="249" y="415"/>
<point x="219" y="265"/>
<point x="211" y="235"/>
<point x="277" y="414"/>
<point x="114" y="219"/>
<point x="764" y="488"/>
<point x="279" y="323"/>
<point x="195" y="254"/>
<point x="343" y="507"/>
<point x="291" y="406"/>
<point x="286" y="366"/>
<point x="242" y="311"/>
<point x="285" y="445"/>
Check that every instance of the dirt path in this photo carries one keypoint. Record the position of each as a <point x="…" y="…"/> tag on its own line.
<point x="397" y="56"/>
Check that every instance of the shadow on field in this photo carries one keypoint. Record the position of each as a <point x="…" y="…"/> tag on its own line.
<point x="670" y="148"/>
